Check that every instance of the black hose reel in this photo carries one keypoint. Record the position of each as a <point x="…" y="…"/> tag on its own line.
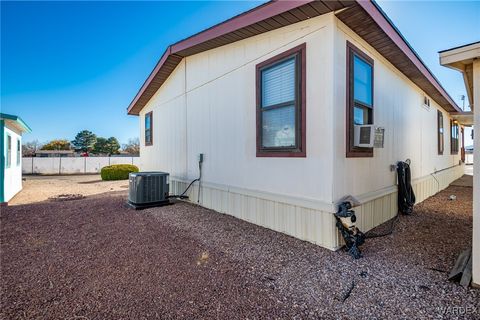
<point x="406" y="196"/>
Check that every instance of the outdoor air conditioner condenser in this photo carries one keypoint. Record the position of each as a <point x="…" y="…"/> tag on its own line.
<point x="148" y="189"/>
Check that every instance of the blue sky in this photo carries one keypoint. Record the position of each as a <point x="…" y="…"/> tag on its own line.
<point x="69" y="66"/>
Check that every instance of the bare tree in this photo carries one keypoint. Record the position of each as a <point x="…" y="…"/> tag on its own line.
<point x="30" y="148"/>
<point x="132" y="147"/>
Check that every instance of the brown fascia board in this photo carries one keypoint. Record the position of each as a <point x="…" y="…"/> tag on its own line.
<point x="260" y="13"/>
<point x="250" y="17"/>
<point x="274" y="8"/>
<point x="389" y="28"/>
<point x="147" y="82"/>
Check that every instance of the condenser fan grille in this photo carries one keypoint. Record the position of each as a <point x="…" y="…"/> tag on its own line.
<point x="148" y="187"/>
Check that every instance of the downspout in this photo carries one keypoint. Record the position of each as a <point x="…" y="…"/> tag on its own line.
<point x="186" y="115"/>
<point x="334" y="95"/>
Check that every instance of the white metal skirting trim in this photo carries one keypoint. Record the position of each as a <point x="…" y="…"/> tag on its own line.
<point x="313" y="225"/>
<point x="378" y="210"/>
<point x="307" y="219"/>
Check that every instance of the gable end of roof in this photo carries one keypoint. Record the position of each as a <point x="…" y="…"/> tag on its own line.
<point x="363" y="16"/>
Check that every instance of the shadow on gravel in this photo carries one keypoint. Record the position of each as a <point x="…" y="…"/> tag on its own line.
<point x="90" y="182"/>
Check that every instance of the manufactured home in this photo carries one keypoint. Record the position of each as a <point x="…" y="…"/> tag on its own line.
<point x="11" y="130"/>
<point x="294" y="105"/>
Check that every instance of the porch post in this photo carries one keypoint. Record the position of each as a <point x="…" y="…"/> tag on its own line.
<point x="476" y="175"/>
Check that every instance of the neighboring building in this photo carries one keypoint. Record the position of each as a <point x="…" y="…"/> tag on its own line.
<point x="466" y="59"/>
<point x="273" y="97"/>
<point x="54" y="153"/>
<point x="126" y="154"/>
<point x="11" y="130"/>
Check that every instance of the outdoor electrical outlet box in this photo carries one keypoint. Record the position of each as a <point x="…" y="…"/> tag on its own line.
<point x="200" y="157"/>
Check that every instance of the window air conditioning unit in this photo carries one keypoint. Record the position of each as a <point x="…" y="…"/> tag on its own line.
<point x="148" y="189"/>
<point x="368" y="136"/>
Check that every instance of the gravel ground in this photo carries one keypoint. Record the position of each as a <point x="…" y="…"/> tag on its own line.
<point x="40" y="188"/>
<point x="95" y="258"/>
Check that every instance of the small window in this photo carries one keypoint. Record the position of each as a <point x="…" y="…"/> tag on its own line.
<point x="440" y="132"/>
<point x="359" y="97"/>
<point x="454" y="136"/>
<point x="426" y="102"/>
<point x="9" y="151"/>
<point x="19" y="152"/>
<point x="281" y="105"/>
<point x="149" y="128"/>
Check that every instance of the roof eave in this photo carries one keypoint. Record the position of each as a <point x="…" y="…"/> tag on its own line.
<point x="19" y="121"/>
<point x="148" y="81"/>
<point x="179" y="50"/>
<point x="389" y="28"/>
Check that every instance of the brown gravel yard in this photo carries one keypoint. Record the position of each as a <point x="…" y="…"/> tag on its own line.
<point x="97" y="259"/>
<point x="40" y="188"/>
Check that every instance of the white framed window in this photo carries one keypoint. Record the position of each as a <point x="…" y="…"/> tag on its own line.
<point x="426" y="102"/>
<point x="8" y="160"/>
<point x="19" y="152"/>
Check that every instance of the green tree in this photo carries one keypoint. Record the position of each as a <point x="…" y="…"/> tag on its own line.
<point x="100" y="146"/>
<point x="113" y="146"/>
<point x="84" y="141"/>
<point x="106" y="146"/>
<point x="57" y="144"/>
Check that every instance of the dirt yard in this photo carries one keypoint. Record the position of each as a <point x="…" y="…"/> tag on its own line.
<point x="40" y="188"/>
<point x="96" y="258"/>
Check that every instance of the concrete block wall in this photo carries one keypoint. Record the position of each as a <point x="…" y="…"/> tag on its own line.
<point x="72" y="165"/>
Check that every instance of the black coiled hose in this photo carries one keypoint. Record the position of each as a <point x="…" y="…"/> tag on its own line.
<point x="406" y="196"/>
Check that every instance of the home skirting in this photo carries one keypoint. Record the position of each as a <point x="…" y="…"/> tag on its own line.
<point x="308" y="219"/>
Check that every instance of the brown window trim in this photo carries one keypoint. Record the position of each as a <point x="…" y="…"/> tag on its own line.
<point x="454" y="146"/>
<point x="149" y="114"/>
<point x="301" y="127"/>
<point x="440" y="135"/>
<point x="351" y="151"/>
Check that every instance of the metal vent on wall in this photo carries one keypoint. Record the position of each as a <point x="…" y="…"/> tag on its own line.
<point x="365" y="133"/>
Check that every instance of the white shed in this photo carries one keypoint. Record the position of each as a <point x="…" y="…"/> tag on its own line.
<point x="11" y="130"/>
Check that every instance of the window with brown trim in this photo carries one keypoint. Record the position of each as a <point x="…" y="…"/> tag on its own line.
<point x="360" y="104"/>
<point x="454" y="136"/>
<point x="440" y="135"/>
<point x="281" y="104"/>
<point x="149" y="128"/>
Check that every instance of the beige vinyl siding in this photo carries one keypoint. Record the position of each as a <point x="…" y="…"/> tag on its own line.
<point x="208" y="105"/>
<point x="410" y="129"/>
